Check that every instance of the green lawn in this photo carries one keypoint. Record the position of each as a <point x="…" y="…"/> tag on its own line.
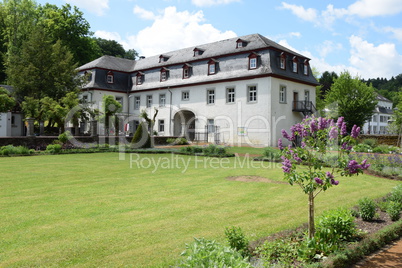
<point x="93" y="210"/>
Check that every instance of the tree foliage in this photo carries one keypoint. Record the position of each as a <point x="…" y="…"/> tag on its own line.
<point x="352" y="99"/>
<point x="110" y="108"/>
<point x="113" y="48"/>
<point x="7" y="102"/>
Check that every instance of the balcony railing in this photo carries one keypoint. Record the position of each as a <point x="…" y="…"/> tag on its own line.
<point x="305" y="107"/>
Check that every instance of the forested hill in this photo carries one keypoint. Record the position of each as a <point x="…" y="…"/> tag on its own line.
<point x="387" y="88"/>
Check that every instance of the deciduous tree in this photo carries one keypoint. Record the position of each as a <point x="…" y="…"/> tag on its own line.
<point x="352" y="99"/>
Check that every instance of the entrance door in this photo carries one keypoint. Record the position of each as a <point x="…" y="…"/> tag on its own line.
<point x="295" y="99"/>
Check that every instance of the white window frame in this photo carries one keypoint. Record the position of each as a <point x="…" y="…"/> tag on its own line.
<point x="120" y="100"/>
<point x="282" y="94"/>
<point x="162" y="100"/>
<point x="210" y="96"/>
<point x="212" y="68"/>
<point x="252" y="94"/>
<point x="294" y="66"/>
<point x="211" y="126"/>
<point x="283" y="62"/>
<point x="185" y="95"/>
<point x="149" y="101"/>
<point x="163" y="75"/>
<point x="307" y="95"/>
<point x="253" y="63"/>
<point x="110" y="79"/>
<point x="305" y="69"/>
<point x="137" y="102"/>
<point x="230" y="95"/>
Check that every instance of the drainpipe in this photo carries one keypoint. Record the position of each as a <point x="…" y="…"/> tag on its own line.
<point x="170" y="113"/>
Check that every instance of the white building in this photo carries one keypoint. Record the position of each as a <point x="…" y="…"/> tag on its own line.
<point x="239" y="91"/>
<point x="11" y="123"/>
<point x="378" y="124"/>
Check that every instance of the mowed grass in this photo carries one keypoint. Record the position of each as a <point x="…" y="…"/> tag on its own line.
<point x="92" y="210"/>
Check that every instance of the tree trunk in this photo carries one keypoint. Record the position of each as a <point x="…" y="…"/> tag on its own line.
<point x="311" y="226"/>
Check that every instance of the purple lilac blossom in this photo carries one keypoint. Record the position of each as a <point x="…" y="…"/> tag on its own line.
<point x="329" y="175"/>
<point x="318" y="180"/>
<point x="343" y="129"/>
<point x="287" y="165"/>
<point x="303" y="144"/>
<point x="280" y="145"/>
<point x="334" y="182"/>
<point x="285" y="134"/>
<point x="322" y="123"/>
<point x="313" y="127"/>
<point x="340" y="122"/>
<point x="364" y="165"/>
<point x="355" y="131"/>
<point x="353" y="166"/>
<point x="333" y="133"/>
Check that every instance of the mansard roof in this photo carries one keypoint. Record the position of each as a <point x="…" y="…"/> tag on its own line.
<point x="109" y="63"/>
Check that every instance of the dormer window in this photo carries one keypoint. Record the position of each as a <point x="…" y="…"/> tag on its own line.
<point x="163" y="58"/>
<point x="212" y="66"/>
<point x="253" y="61"/>
<point x="110" y="77"/>
<point x="186" y="70"/>
<point x="294" y="64"/>
<point x="241" y="43"/>
<point x="283" y="61"/>
<point x="305" y="67"/>
<point x="140" y="78"/>
<point x="198" y="51"/>
<point x="164" y="74"/>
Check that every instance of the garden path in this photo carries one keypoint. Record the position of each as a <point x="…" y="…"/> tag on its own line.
<point x="389" y="257"/>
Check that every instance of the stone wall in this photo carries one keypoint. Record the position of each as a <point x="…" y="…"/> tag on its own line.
<point x="381" y="139"/>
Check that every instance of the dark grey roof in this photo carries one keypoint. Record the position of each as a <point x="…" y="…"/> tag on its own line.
<point x="9" y="88"/>
<point x="109" y="63"/>
<point x="385" y="110"/>
<point x="382" y="98"/>
<point x="211" y="50"/>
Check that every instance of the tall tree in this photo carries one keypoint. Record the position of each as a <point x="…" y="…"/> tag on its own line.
<point x="7" y="102"/>
<point x="42" y="68"/>
<point x="351" y="98"/>
<point x="68" y="25"/>
<point x="113" y="48"/>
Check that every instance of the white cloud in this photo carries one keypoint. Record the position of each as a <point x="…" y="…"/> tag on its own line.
<point x="327" y="47"/>
<point x="372" y="8"/>
<point x="172" y="30"/>
<point x="94" y="6"/>
<point x="397" y="32"/>
<point x="309" y="14"/>
<point x="144" y="14"/>
<point x="374" y="61"/>
<point x="203" y="3"/>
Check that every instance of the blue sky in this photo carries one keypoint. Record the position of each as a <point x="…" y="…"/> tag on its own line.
<point x="361" y="36"/>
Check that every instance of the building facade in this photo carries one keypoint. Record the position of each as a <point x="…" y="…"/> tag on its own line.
<point x="378" y="124"/>
<point x="242" y="90"/>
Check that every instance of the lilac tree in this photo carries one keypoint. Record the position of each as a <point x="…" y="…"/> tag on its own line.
<point x="310" y="165"/>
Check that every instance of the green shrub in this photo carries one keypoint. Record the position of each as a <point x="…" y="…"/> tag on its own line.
<point x="336" y="225"/>
<point x="393" y="210"/>
<point x="396" y="194"/>
<point x="362" y="148"/>
<point x="138" y="138"/>
<point x="367" y="208"/>
<point x="382" y="149"/>
<point x="280" y="252"/>
<point x="207" y="253"/>
<point x="53" y="148"/>
<point x="14" y="150"/>
<point x="370" y="142"/>
<point x="237" y="240"/>
<point x="272" y="153"/>
<point x="214" y="150"/>
<point x="64" y="137"/>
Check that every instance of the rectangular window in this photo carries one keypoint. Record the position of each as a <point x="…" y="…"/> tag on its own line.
<point x="230" y="95"/>
<point x="307" y="95"/>
<point x="282" y="94"/>
<point x="120" y="100"/>
<point x="137" y="102"/>
<point x="252" y="93"/>
<point x="85" y="99"/>
<point x="211" y="68"/>
<point x="186" y="72"/>
<point x="110" y="79"/>
<point x="210" y="96"/>
<point x="253" y="63"/>
<point x="374" y="118"/>
<point x="305" y="71"/>
<point x="211" y="126"/>
<point x="161" y="125"/>
<point x="149" y="101"/>
<point x="139" y="79"/>
<point x="295" y="67"/>
<point x="162" y="100"/>
<point x="283" y="63"/>
<point x="163" y="76"/>
<point x="185" y="95"/>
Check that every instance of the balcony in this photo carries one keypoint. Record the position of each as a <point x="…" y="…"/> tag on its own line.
<point x="305" y="107"/>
